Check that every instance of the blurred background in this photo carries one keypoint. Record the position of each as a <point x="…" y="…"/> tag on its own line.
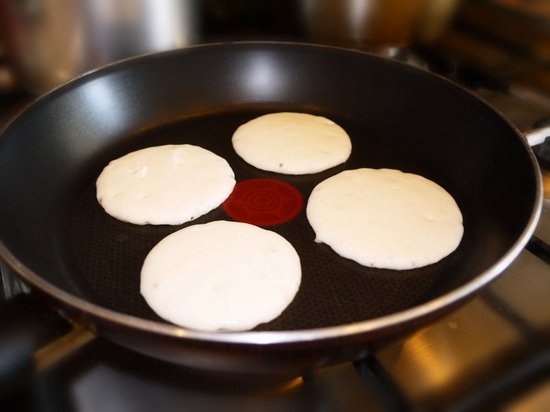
<point x="44" y="43"/>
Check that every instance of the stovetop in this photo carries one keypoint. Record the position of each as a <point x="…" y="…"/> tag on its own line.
<point x="493" y="351"/>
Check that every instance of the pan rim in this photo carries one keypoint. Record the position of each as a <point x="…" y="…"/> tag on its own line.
<point x="360" y="328"/>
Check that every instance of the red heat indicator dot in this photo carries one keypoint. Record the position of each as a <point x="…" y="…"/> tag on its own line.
<point x="263" y="202"/>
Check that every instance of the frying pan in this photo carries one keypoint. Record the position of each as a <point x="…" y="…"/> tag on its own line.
<point x="59" y="241"/>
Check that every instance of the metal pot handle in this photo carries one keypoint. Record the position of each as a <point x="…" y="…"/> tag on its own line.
<point x="33" y="337"/>
<point x="537" y="136"/>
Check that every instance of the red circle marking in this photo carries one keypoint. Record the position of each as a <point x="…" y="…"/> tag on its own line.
<point x="263" y="202"/>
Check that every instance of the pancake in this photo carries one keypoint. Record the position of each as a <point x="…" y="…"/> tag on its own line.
<point x="385" y="218"/>
<point x="292" y="143"/>
<point x="170" y="184"/>
<point x="221" y="276"/>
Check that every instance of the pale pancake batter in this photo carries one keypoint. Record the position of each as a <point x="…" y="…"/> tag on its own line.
<point x="221" y="276"/>
<point x="292" y="143"/>
<point x="169" y="184"/>
<point x="385" y="218"/>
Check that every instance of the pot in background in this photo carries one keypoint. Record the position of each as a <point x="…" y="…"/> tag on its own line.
<point x="49" y="42"/>
<point x="376" y="25"/>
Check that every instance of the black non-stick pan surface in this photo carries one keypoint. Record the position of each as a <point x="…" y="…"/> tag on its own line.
<point x="58" y="238"/>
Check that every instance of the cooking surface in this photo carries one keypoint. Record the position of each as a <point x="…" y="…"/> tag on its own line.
<point x="493" y="350"/>
<point x="103" y="245"/>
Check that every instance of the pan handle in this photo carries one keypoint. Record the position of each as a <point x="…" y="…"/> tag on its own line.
<point x="33" y="337"/>
<point x="537" y="136"/>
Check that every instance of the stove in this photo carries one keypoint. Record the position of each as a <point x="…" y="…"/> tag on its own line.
<point x="493" y="352"/>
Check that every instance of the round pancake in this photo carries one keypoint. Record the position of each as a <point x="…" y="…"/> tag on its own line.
<point x="292" y="143"/>
<point x="170" y="184"/>
<point x="385" y="218"/>
<point x="221" y="276"/>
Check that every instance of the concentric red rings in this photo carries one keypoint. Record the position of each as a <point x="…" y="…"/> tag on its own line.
<point x="263" y="202"/>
